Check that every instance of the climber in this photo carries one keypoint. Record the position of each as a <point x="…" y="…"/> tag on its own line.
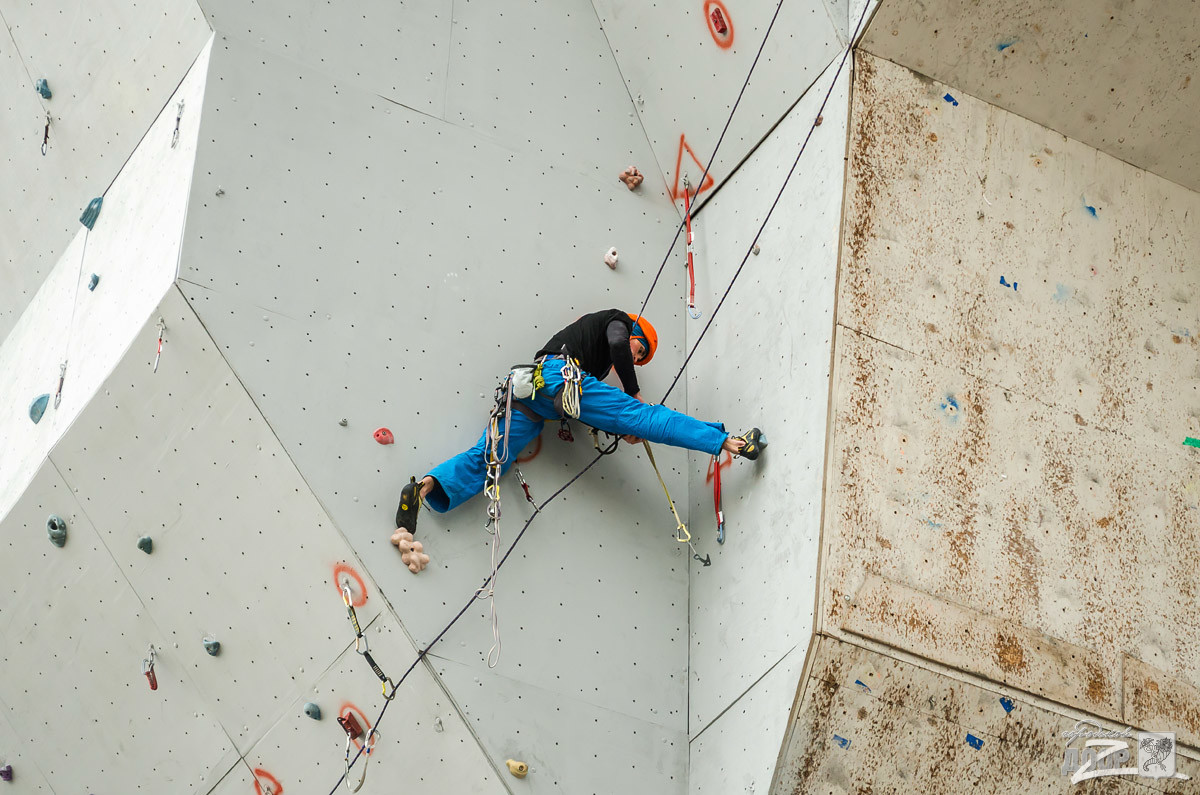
<point x="578" y="356"/>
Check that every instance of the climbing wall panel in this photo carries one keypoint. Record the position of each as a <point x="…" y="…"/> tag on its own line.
<point x="77" y="629"/>
<point x="390" y="281"/>
<point x="111" y="67"/>
<point x="755" y="603"/>
<point x="423" y="744"/>
<point x="684" y="75"/>
<point x="231" y="520"/>
<point x="133" y="248"/>
<point x="1076" y="79"/>
<point x="739" y="751"/>
<point x="395" y="50"/>
<point x="24" y="770"/>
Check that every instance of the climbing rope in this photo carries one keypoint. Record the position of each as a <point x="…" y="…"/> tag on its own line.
<point x="681" y="532"/>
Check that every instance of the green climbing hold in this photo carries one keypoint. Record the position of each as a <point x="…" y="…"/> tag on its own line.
<point x="56" y="528"/>
<point x="1190" y="442"/>
<point x="43" y="88"/>
<point x="38" y="407"/>
<point x="212" y="646"/>
<point x="92" y="212"/>
<point x="146" y="544"/>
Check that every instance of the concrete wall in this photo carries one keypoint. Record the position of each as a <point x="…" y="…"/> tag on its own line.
<point x="1016" y="372"/>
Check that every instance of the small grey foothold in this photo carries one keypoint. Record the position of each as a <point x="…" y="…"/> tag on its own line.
<point x="312" y="711"/>
<point x="92" y="282"/>
<point x="220" y="191"/>
<point x="212" y="646"/>
<point x="56" y="528"/>
<point x="437" y="725"/>
<point x="756" y="249"/>
<point x="343" y="422"/>
<point x="146" y="544"/>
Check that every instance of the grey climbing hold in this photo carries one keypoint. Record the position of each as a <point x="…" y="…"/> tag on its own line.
<point x="146" y="544"/>
<point x="43" y="88"/>
<point x="56" y="528"/>
<point x="312" y="711"/>
<point x="38" y="407"/>
<point x="212" y="646"/>
<point x="92" y="282"/>
<point x="92" y="212"/>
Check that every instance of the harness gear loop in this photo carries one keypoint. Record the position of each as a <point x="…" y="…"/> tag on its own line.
<point x="572" y="388"/>
<point x="686" y="537"/>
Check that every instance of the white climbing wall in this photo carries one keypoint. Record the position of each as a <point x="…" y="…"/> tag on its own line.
<point x="111" y="67"/>
<point x="764" y="361"/>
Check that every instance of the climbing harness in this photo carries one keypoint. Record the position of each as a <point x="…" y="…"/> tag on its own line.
<point x="681" y="532"/>
<point x="148" y="668"/>
<point x="162" y="329"/>
<point x="360" y="643"/>
<point x="691" y="264"/>
<point x="62" y="375"/>
<point x="178" y="116"/>
<point x="717" y="499"/>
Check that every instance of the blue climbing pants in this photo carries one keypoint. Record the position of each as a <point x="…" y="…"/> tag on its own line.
<point x="600" y="406"/>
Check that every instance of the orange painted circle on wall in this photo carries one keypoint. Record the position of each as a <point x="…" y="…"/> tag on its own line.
<point x="533" y="453"/>
<point x="276" y="788"/>
<point x="341" y="569"/>
<point x="723" y="40"/>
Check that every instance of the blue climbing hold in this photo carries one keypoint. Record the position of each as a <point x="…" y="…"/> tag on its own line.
<point x="146" y="544"/>
<point x="842" y="741"/>
<point x="213" y="647"/>
<point x="974" y="742"/>
<point x="38" y="407"/>
<point x="949" y="98"/>
<point x="92" y="212"/>
<point x="92" y="282"/>
<point x="1007" y="703"/>
<point x="43" y="88"/>
<point x="312" y="711"/>
<point x="56" y="528"/>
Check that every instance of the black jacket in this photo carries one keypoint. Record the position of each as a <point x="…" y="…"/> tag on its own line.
<point x="600" y="342"/>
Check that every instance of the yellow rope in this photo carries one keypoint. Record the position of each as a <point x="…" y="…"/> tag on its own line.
<point x="686" y="537"/>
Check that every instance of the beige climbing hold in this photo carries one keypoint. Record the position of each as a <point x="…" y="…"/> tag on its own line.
<point x="610" y="258"/>
<point x="412" y="553"/>
<point x="518" y="769"/>
<point x="631" y="177"/>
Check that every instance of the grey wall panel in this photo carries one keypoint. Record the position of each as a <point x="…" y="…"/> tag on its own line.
<point x="134" y="249"/>
<point x="570" y="746"/>
<point x="737" y="752"/>
<point x="423" y="743"/>
<point x="75" y="633"/>
<point x="111" y="67"/>
<point x="182" y="455"/>
<point x="396" y="50"/>
<point x="684" y="81"/>
<point x="765" y="362"/>
<point x="539" y="77"/>
<point x="370" y="263"/>
<point x="1120" y="77"/>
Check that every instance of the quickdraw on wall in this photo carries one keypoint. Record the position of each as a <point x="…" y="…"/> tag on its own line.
<point x="693" y="313"/>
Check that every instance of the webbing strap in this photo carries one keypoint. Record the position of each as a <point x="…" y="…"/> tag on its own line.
<point x="680" y="526"/>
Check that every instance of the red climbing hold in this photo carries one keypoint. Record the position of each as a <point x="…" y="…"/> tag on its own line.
<point x="384" y="436"/>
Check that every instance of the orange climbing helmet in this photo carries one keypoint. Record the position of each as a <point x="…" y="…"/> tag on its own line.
<point x="645" y="332"/>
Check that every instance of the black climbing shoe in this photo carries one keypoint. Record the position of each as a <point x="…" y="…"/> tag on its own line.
<point x="410" y="501"/>
<point x="755" y="441"/>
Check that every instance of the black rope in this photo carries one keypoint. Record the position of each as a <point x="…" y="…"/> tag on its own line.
<point x="421" y="655"/>
<point x="713" y="315"/>
<point x="725" y="129"/>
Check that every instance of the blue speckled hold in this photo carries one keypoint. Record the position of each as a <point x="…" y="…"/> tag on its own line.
<point x="92" y="282"/>
<point x="92" y="212"/>
<point x="312" y="711"/>
<point x="43" y="88"/>
<point x="38" y="407"/>
<point x="213" y="647"/>
<point x="146" y="544"/>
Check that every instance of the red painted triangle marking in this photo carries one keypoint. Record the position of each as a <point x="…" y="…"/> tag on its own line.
<point x="676" y="192"/>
